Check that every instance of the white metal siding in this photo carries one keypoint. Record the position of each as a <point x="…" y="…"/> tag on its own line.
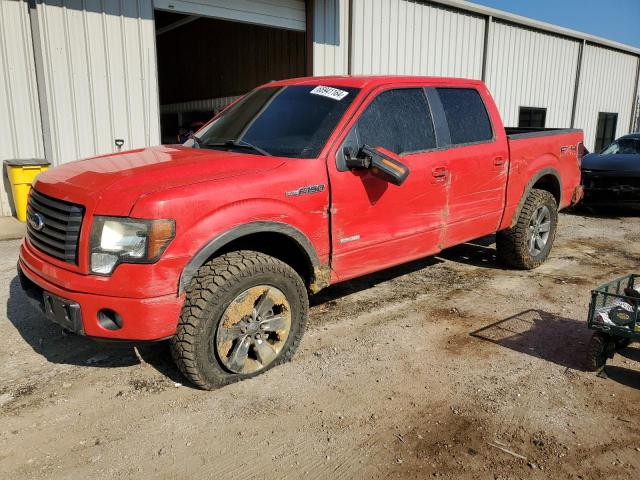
<point x="635" y="118"/>
<point x="526" y="68"/>
<point x="405" y="37"/>
<point x="330" y="37"/>
<point x="607" y="82"/>
<point x="100" y="75"/>
<point x="20" y="130"/>
<point x="289" y="14"/>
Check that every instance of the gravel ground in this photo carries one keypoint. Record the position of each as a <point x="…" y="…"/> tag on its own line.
<point x="450" y="367"/>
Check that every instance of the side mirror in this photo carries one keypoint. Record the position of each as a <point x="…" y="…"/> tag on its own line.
<point x="383" y="163"/>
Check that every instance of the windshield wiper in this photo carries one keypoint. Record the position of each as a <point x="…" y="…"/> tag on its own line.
<point x="197" y="141"/>
<point x="238" y="144"/>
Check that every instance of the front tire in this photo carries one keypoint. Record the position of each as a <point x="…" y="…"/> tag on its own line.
<point x="528" y="243"/>
<point x="622" y="343"/>
<point x="245" y="313"/>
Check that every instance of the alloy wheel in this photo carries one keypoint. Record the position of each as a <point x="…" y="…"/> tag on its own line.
<point x="539" y="229"/>
<point x="253" y="329"/>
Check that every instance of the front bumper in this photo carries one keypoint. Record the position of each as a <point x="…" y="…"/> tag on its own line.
<point x="611" y="190"/>
<point x="142" y="319"/>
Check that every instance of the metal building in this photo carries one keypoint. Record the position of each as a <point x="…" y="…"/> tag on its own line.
<point x="77" y="75"/>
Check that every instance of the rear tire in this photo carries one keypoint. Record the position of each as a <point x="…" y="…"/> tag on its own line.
<point x="538" y="217"/>
<point x="221" y="336"/>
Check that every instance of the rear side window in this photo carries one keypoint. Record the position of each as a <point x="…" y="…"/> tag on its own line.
<point x="398" y="120"/>
<point x="466" y="115"/>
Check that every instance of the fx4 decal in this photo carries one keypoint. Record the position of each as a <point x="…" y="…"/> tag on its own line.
<point x="568" y="150"/>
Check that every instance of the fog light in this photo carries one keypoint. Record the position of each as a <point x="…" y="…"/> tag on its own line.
<point x="109" y="319"/>
<point x="103" y="262"/>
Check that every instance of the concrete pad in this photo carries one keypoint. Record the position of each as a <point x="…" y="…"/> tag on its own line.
<point x="11" y="228"/>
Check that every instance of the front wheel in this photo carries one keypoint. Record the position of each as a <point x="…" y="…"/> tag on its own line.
<point x="245" y="312"/>
<point x="622" y="343"/>
<point x="528" y="243"/>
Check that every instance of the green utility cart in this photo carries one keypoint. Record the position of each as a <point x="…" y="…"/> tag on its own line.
<point x="613" y="314"/>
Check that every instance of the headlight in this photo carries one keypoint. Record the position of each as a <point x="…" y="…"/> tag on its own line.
<point x="117" y="240"/>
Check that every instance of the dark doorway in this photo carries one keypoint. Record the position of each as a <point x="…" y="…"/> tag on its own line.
<point x="205" y="63"/>
<point x="606" y="131"/>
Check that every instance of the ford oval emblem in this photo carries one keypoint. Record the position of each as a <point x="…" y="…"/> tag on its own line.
<point x="36" y="221"/>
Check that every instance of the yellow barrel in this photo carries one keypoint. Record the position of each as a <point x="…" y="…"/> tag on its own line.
<point x="21" y="173"/>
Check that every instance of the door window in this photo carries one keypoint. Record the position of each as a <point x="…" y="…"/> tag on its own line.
<point x="466" y="115"/>
<point x="398" y="120"/>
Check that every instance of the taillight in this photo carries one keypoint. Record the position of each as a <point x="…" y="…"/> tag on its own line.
<point x="580" y="153"/>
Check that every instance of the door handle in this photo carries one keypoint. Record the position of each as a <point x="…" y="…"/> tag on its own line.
<point x="439" y="172"/>
<point x="499" y="161"/>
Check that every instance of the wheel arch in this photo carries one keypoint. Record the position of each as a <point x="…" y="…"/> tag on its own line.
<point x="547" y="179"/>
<point x="277" y="239"/>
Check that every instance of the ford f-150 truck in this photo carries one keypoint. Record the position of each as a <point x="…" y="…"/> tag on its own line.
<point x="302" y="183"/>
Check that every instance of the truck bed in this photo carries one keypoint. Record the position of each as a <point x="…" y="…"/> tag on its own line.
<point x="529" y="149"/>
<point x="514" y="133"/>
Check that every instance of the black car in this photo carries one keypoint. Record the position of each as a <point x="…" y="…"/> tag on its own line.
<point x="612" y="177"/>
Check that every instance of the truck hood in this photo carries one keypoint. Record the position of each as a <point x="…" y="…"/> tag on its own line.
<point x="111" y="184"/>
<point x="616" y="162"/>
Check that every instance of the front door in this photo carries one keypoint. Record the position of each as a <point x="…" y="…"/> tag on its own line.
<point x="375" y="224"/>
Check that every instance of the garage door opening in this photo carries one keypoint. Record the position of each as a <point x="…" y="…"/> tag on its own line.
<point x="206" y="63"/>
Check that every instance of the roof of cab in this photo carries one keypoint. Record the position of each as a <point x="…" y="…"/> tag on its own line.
<point x="372" y="81"/>
<point x="632" y="136"/>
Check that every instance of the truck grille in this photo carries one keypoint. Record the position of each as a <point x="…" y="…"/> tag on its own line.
<point x="53" y="226"/>
<point x="621" y="183"/>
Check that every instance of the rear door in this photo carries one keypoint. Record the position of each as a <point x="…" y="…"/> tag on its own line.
<point x="477" y="164"/>
<point x="376" y="224"/>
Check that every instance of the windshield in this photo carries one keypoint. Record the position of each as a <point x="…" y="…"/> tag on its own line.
<point x="292" y="121"/>
<point x="624" y="146"/>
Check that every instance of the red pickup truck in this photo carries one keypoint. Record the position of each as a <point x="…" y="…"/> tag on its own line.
<point x="300" y="184"/>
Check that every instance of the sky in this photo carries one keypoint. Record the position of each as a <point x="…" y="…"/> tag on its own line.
<point x="617" y="20"/>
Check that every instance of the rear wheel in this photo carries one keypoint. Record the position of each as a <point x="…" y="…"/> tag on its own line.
<point x="600" y="348"/>
<point x="528" y="243"/>
<point x="245" y="312"/>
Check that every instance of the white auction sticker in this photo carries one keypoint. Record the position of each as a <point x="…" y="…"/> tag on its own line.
<point x="329" y="92"/>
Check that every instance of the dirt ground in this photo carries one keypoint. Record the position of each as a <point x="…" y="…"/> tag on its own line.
<point x="449" y="367"/>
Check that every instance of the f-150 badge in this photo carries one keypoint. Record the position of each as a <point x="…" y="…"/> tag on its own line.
<point x="306" y="190"/>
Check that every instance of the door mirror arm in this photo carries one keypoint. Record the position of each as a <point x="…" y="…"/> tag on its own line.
<point x="355" y="160"/>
